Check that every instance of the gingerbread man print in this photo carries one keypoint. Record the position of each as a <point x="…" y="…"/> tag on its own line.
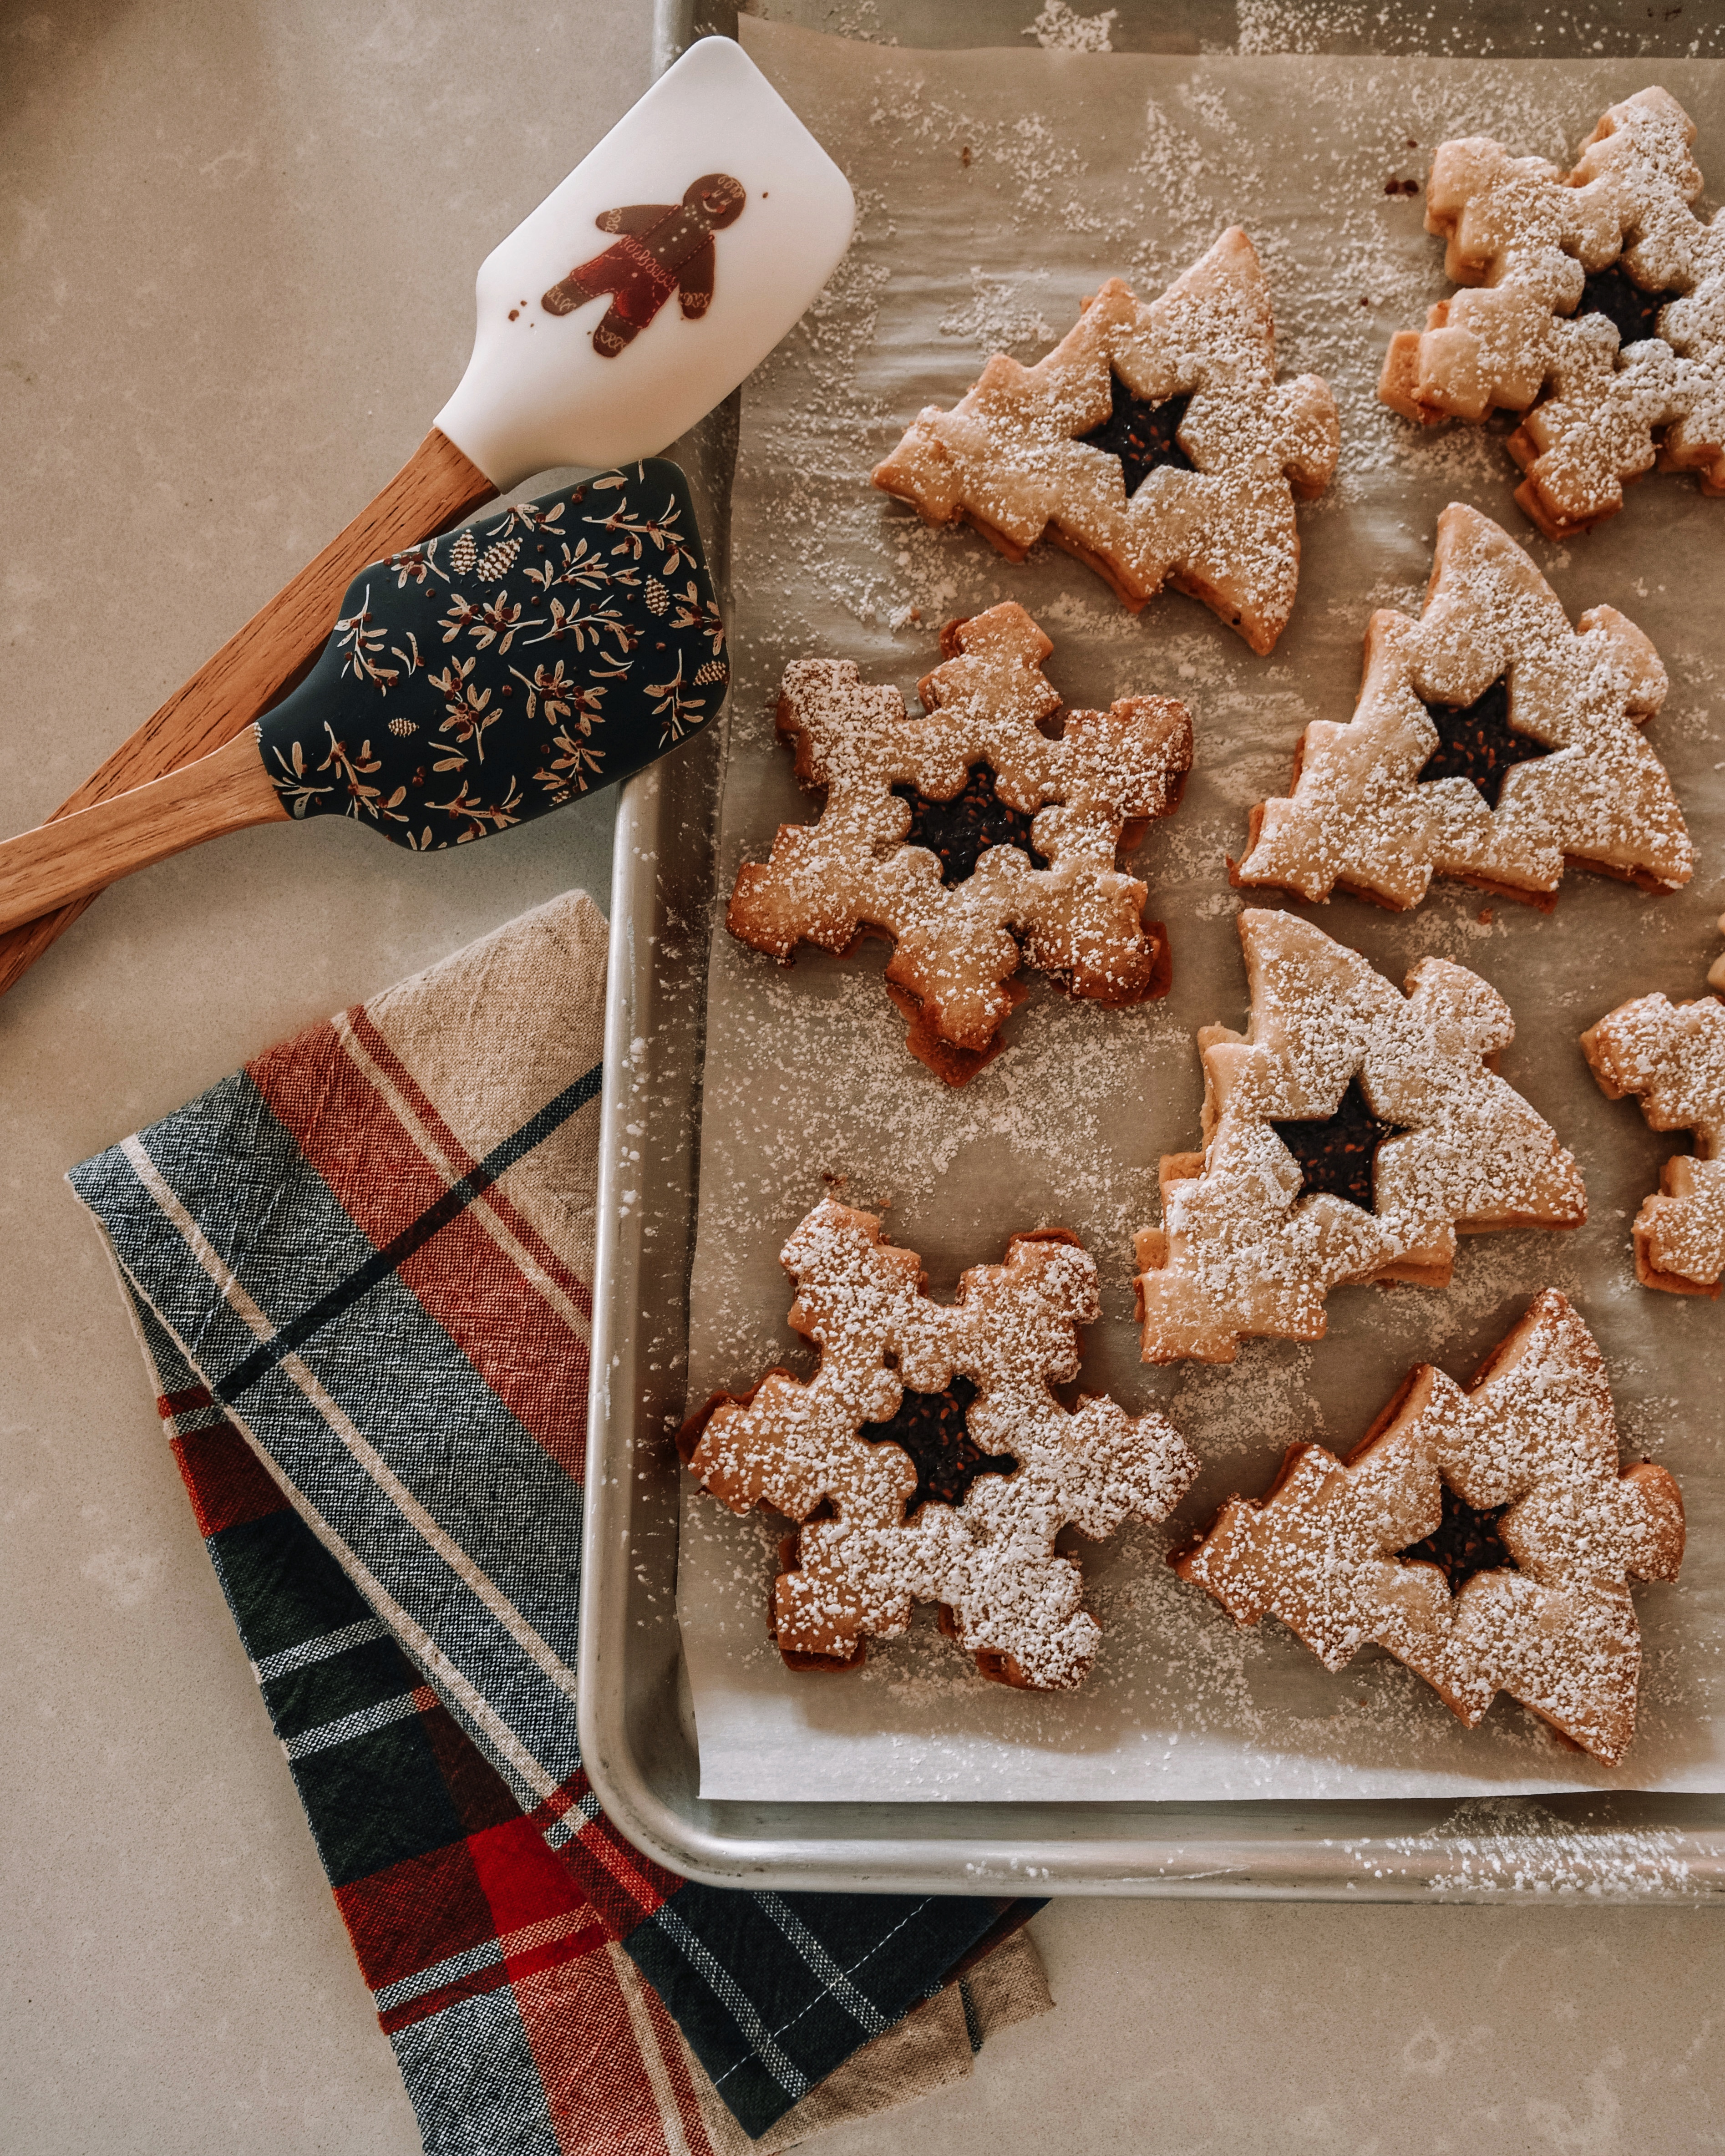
<point x="661" y="247"/>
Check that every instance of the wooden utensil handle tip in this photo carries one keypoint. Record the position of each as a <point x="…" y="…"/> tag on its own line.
<point x="66" y="860"/>
<point x="436" y="487"/>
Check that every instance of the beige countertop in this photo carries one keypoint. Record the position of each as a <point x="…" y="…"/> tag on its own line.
<point x="236" y="247"/>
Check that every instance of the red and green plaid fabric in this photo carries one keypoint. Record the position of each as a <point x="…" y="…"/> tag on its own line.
<point x="361" y="1271"/>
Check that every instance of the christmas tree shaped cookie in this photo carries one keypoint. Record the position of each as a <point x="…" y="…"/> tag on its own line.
<point x="1153" y="443"/>
<point x="1350" y="1135"/>
<point x="1491" y="742"/>
<point x="1672" y="1056"/>
<point x="927" y="1461"/>
<point x="1599" y="312"/>
<point x="1486" y="1538"/>
<point x="993" y="819"/>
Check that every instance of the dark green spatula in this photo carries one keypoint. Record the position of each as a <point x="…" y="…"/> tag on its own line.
<point x="473" y="682"/>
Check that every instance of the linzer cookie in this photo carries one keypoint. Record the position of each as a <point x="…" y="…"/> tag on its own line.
<point x="969" y="832"/>
<point x="927" y="1461"/>
<point x="1601" y="312"/>
<point x="1350" y="1134"/>
<point x="1153" y="443"/>
<point x="1492" y="743"/>
<point x="1672" y="1057"/>
<point x="1486" y="1538"/>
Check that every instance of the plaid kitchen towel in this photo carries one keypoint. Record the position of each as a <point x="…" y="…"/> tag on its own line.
<point x="361" y="1271"/>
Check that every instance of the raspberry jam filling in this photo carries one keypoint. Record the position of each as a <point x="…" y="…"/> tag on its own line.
<point x="1339" y="1152"/>
<point x="958" y="832"/>
<point x="1613" y="293"/>
<point x="1476" y="741"/>
<point x="1466" y="1542"/>
<point x="1142" y="433"/>
<point x="931" y="1427"/>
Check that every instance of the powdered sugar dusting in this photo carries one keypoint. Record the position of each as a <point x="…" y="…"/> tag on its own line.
<point x="1672" y="1058"/>
<point x="1491" y="1845"/>
<point x="1242" y="1249"/>
<point x="1012" y="1601"/>
<point x="1012" y="457"/>
<point x="1549" y="1618"/>
<point x="1363" y="811"/>
<point x="1294" y="26"/>
<point x="1059" y="29"/>
<point x="1596" y="395"/>
<point x="1075" y="914"/>
<point x="1134" y="171"/>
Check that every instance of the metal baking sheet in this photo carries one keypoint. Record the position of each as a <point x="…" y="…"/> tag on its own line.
<point x="635" y="1710"/>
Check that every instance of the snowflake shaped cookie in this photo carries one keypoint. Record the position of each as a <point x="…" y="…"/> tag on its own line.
<point x="1350" y="1134"/>
<point x="962" y="831"/>
<point x="1672" y="1056"/>
<point x="1599" y="312"/>
<point x="1492" y="743"/>
<point x="928" y="1460"/>
<point x="1153" y="443"/>
<point x="1485" y="1537"/>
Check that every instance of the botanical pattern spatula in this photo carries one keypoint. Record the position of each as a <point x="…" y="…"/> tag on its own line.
<point x="473" y="682"/>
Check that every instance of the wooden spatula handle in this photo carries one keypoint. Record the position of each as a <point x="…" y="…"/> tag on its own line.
<point x="436" y="486"/>
<point x="65" y="862"/>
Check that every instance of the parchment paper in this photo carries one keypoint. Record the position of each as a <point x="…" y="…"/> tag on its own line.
<point x="1078" y="168"/>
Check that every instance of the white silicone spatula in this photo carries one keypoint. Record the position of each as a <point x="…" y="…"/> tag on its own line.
<point x="545" y="387"/>
<point x="635" y="298"/>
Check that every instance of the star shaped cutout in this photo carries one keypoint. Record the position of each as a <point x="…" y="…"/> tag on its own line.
<point x="1141" y="434"/>
<point x="959" y="831"/>
<point x="1466" y="1542"/>
<point x="931" y="1427"/>
<point x="1338" y="1152"/>
<point x="1476" y="741"/>
<point x="1613" y="293"/>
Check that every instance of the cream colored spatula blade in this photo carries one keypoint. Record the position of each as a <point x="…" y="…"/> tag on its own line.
<point x="545" y="388"/>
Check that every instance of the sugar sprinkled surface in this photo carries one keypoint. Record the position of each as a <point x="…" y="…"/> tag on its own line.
<point x="862" y="1555"/>
<point x="1672" y="1059"/>
<point x="1062" y="895"/>
<point x="1060" y="29"/>
<point x="1340" y="1552"/>
<point x="1023" y="451"/>
<point x="807" y="1077"/>
<point x="1241" y="1249"/>
<point x="1365" y="810"/>
<point x="1596" y="384"/>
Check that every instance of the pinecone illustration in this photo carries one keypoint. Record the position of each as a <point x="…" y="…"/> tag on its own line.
<point x="403" y="726"/>
<point x="495" y="561"/>
<point x="464" y="553"/>
<point x="657" y="598"/>
<point x="711" y="670"/>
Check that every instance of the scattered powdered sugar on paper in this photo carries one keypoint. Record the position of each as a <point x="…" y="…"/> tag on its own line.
<point x="859" y="20"/>
<point x="1295" y="26"/>
<point x="1004" y="313"/>
<point x="996" y="190"/>
<point x="1059" y="29"/>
